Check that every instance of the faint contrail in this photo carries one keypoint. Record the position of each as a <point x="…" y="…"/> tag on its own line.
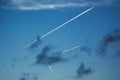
<point x="30" y="44"/>
<point x="51" y="69"/>
<point x="60" y="26"/>
<point x="70" y="49"/>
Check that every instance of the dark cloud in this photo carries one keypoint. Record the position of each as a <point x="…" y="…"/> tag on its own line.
<point x="41" y="57"/>
<point x="45" y="58"/>
<point x="56" y="57"/>
<point x="48" y="57"/>
<point x="82" y="71"/>
<point x="110" y="38"/>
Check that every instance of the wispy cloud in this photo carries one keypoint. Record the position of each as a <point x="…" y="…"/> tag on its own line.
<point x="48" y="57"/>
<point x="112" y="37"/>
<point x="82" y="70"/>
<point x="37" y="6"/>
<point x="53" y="4"/>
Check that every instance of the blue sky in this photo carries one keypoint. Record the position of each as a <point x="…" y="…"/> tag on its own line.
<point x="21" y="21"/>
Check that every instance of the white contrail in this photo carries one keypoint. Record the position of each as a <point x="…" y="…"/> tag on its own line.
<point x="70" y="49"/>
<point x="51" y="69"/>
<point x="60" y="26"/>
<point x="30" y="43"/>
<point x="65" y="23"/>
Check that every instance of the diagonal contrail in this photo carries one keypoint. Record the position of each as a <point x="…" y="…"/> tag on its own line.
<point x="65" y="23"/>
<point x="51" y="69"/>
<point x="70" y="49"/>
<point x="45" y="35"/>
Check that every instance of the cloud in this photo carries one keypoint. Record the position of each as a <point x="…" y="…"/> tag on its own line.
<point x="47" y="57"/>
<point x="54" y="4"/>
<point x="41" y="57"/>
<point x="42" y="4"/>
<point x="56" y="57"/>
<point x="82" y="71"/>
<point x="37" y="6"/>
<point x="111" y="38"/>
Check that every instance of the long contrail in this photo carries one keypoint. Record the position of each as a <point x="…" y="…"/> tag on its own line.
<point x="45" y="35"/>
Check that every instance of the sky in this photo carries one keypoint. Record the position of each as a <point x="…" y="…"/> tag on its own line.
<point x="87" y="48"/>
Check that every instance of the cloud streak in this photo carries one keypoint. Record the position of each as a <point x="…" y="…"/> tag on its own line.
<point x="37" y="6"/>
<point x="53" y="4"/>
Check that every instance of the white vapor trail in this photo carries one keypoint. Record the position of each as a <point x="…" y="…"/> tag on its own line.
<point x="45" y="35"/>
<point x="70" y="49"/>
<point x="51" y="69"/>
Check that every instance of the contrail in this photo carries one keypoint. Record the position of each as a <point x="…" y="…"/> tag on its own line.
<point x="70" y="49"/>
<point x="45" y="35"/>
<point x="65" y="23"/>
<point x="51" y="69"/>
<point x="30" y="43"/>
<point x="67" y="50"/>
